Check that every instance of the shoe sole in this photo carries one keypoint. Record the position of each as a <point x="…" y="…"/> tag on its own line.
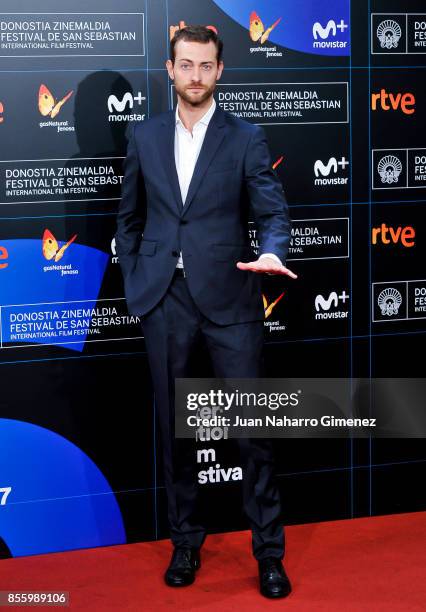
<point x="178" y="584"/>
<point x="275" y="595"/>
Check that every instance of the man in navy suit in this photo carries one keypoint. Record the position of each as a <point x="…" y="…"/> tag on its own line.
<point x="192" y="178"/>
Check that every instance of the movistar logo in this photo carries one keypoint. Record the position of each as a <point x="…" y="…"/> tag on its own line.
<point x="331" y="27"/>
<point x="332" y="164"/>
<point x="115" y="106"/>
<point x="323" y="305"/>
<point x="324" y="170"/>
<point x="319" y="167"/>
<point x="321" y="34"/>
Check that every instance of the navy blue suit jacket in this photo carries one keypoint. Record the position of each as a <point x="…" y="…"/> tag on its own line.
<point x="232" y="178"/>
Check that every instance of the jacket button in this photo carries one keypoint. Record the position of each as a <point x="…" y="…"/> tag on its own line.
<point x="183" y="221"/>
<point x="175" y="254"/>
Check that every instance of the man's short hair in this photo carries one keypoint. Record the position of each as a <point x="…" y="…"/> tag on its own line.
<point x="196" y="33"/>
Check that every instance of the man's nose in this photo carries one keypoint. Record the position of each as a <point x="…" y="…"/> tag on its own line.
<point x="196" y="75"/>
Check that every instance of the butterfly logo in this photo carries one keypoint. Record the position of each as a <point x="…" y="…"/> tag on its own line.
<point x="257" y="29"/>
<point x="47" y="104"/>
<point x="270" y="307"/>
<point x="51" y="248"/>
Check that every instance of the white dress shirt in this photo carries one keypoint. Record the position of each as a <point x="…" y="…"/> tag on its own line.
<point x="187" y="149"/>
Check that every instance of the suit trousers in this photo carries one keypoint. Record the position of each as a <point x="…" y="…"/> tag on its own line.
<point x="172" y="330"/>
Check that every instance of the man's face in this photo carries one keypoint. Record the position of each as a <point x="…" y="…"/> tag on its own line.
<point x="195" y="71"/>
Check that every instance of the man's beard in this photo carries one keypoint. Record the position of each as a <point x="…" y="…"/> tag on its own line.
<point x="200" y="99"/>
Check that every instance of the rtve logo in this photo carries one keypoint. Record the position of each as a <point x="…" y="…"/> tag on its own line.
<point x="1" y="112"/>
<point x="4" y="256"/>
<point x="388" y="101"/>
<point x="389" y="235"/>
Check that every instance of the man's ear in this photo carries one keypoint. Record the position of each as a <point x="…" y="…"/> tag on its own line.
<point x="219" y="70"/>
<point x="169" y="66"/>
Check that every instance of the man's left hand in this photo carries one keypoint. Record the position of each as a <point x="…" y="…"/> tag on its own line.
<point x="266" y="265"/>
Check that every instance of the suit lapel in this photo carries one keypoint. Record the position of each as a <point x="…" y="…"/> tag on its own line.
<point x="167" y="146"/>
<point x="214" y="135"/>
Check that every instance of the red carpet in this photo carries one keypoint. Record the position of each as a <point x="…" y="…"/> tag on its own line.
<point x="372" y="564"/>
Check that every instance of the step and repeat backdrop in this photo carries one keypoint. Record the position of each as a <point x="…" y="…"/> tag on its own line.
<point x="339" y="89"/>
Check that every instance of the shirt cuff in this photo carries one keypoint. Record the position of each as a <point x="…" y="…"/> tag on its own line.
<point x="272" y="256"/>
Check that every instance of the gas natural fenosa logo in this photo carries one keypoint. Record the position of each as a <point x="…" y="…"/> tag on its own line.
<point x="50" y="246"/>
<point x="257" y="30"/>
<point x="269" y="306"/>
<point x="47" y="105"/>
<point x="259" y="34"/>
<point x="49" y="108"/>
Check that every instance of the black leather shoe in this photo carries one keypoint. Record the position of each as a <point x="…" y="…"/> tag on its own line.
<point x="183" y="564"/>
<point x="273" y="580"/>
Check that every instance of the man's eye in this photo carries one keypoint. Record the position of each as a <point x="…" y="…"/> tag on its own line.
<point x="207" y="67"/>
<point x="184" y="66"/>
